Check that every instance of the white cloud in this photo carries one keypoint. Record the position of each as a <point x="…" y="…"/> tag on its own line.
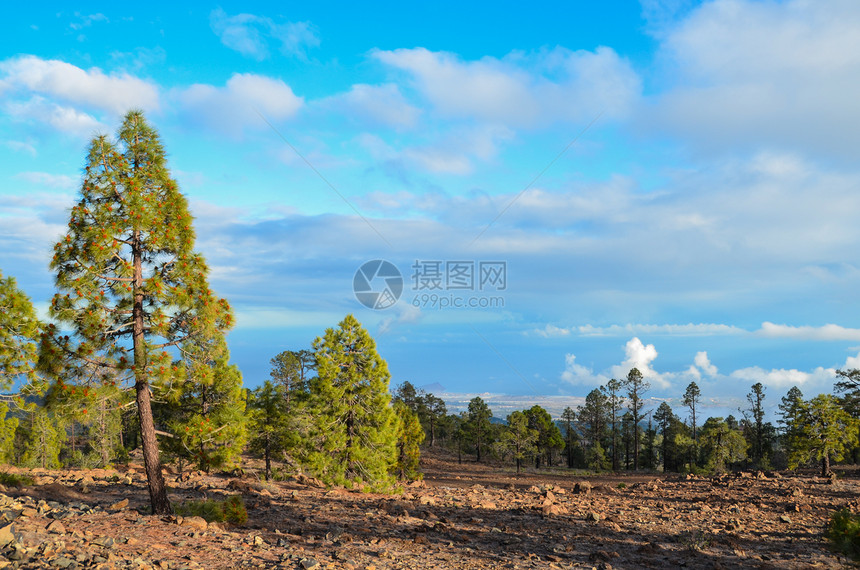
<point x="704" y="364"/>
<point x="579" y="375"/>
<point x="825" y="333"/>
<point x="250" y="35"/>
<point x="748" y="73"/>
<point x="62" y="118"/>
<point x="520" y="90"/>
<point x="115" y="93"/>
<point x="62" y="181"/>
<point x="234" y="107"/>
<point x="641" y="356"/>
<point x="782" y="378"/>
<point x="690" y="329"/>
<point x="405" y="313"/>
<point x="381" y="105"/>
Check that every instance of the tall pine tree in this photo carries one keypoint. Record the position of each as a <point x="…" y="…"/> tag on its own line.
<point x="355" y="427"/>
<point x="131" y="288"/>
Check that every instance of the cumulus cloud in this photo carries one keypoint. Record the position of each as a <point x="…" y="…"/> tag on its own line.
<point x="520" y="90"/>
<point x="234" y="107"/>
<point x="641" y="356"/>
<point x="579" y="375"/>
<point x="251" y="35"/>
<point x="69" y="84"/>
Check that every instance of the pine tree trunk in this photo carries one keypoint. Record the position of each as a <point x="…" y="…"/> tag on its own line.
<point x="825" y="465"/>
<point x="151" y="462"/>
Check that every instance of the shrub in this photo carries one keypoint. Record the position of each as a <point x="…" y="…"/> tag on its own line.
<point x="14" y="480"/>
<point x="231" y="510"/>
<point x="844" y="533"/>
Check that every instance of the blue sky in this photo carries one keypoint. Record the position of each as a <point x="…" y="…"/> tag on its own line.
<point x="670" y="185"/>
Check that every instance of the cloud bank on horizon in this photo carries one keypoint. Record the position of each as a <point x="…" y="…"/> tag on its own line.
<point x="679" y="162"/>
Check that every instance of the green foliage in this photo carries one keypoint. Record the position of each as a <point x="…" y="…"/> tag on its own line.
<point x="19" y="335"/>
<point x="595" y="458"/>
<point x="231" y="510"/>
<point x="518" y="439"/>
<point x="14" y="480"/>
<point x="206" y="412"/>
<point x="43" y="436"/>
<point x="826" y="432"/>
<point x="549" y="437"/>
<point x="844" y="533"/>
<point x="354" y="429"/>
<point x="267" y="406"/>
<point x="130" y="287"/>
<point x="636" y="387"/>
<point x="721" y="445"/>
<point x="593" y="418"/>
<point x="409" y="438"/>
<point x="477" y="429"/>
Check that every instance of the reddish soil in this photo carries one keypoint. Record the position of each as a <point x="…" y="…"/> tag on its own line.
<point x="461" y="516"/>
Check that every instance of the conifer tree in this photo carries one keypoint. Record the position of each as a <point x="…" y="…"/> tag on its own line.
<point x="268" y="419"/>
<point x="205" y="413"/>
<point x="518" y="438"/>
<point x="636" y="388"/>
<point x="722" y="445"/>
<point x="19" y="340"/>
<point x="409" y="437"/>
<point x="614" y="401"/>
<point x="477" y="427"/>
<point x="549" y="436"/>
<point x="827" y="431"/>
<point x="131" y="288"/>
<point x="791" y="409"/>
<point x="593" y="417"/>
<point x="355" y="427"/>
<point x="568" y="416"/>
<point x="43" y="436"/>
<point x="19" y="335"/>
<point x="436" y="412"/>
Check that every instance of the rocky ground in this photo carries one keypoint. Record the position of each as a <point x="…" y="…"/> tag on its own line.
<point x="460" y="517"/>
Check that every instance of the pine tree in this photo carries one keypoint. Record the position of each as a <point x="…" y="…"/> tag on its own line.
<point x="571" y="438"/>
<point x="827" y="432"/>
<point x="43" y="436"/>
<point x="355" y="427"/>
<point x="292" y="369"/>
<point x="756" y="425"/>
<point x="691" y="400"/>
<point x="130" y="286"/>
<point x="593" y="417"/>
<point x="549" y="436"/>
<point x="636" y="386"/>
<point x="791" y="417"/>
<point x="436" y="412"/>
<point x="205" y="413"/>
<point x="518" y="438"/>
<point x="20" y="331"/>
<point x="268" y="418"/>
<point x="721" y="445"/>
<point x="614" y="401"/>
<point x="477" y="427"/>
<point x="409" y="437"/>
<point x="19" y="335"/>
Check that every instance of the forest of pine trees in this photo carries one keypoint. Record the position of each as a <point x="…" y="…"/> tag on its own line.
<point x="135" y="358"/>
